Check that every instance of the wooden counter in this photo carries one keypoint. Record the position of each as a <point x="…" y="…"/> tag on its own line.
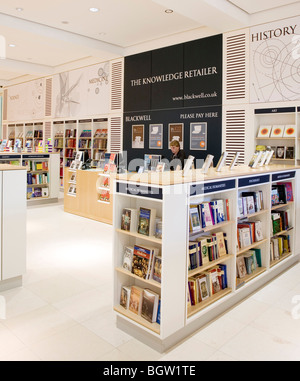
<point x="85" y="202"/>
<point x="176" y="177"/>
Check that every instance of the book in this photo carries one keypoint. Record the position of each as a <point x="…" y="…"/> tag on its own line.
<point x="206" y="214"/>
<point x="142" y="260"/>
<point x="203" y="250"/>
<point x="264" y="131"/>
<point x="241" y="267"/>
<point x="195" y="222"/>
<point x="277" y="131"/>
<point x="45" y="192"/>
<point x="160" y="167"/>
<point x="289" y="131"/>
<point x="193" y="255"/>
<point x="288" y="190"/>
<point x="127" y="258"/>
<point x="289" y="152"/>
<point x="146" y="221"/>
<point x="221" y="244"/>
<point x="258" y="231"/>
<point x="135" y="301"/>
<point x="221" y="161"/>
<point x="157" y="266"/>
<point x="149" y="305"/>
<point x="125" y="297"/>
<point x="129" y="219"/>
<point x="280" y="152"/>
<point x="255" y="159"/>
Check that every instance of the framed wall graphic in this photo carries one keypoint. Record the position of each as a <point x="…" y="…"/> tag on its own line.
<point x="156" y="136"/>
<point x="176" y="133"/>
<point x="198" y="136"/>
<point x="138" y="136"/>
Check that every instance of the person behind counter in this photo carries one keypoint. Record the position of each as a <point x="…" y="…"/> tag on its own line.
<point x="178" y="156"/>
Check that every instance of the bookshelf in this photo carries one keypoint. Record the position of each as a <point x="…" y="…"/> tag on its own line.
<point x="172" y="198"/>
<point x="85" y="135"/>
<point x="100" y="140"/>
<point x="58" y="128"/>
<point x="13" y="225"/>
<point x="70" y="142"/>
<point x="285" y="147"/>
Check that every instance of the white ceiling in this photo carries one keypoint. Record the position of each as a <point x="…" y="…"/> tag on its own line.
<point x="52" y="36"/>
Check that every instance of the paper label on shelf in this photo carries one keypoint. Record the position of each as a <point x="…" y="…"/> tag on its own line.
<point x="253" y="180"/>
<point x="283" y="176"/>
<point x="139" y="190"/>
<point x="217" y="186"/>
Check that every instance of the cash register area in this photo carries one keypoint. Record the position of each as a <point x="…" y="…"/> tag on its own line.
<point x="64" y="312"/>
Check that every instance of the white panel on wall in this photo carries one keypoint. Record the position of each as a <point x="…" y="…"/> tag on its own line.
<point x="116" y="134"/>
<point x="48" y="131"/>
<point x="117" y="70"/>
<point x="48" y="97"/>
<point x="275" y="61"/>
<point x="236" y="67"/>
<point x="26" y="101"/>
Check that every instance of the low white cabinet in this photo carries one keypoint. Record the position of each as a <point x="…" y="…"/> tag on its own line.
<point x="13" y="225"/>
<point x="172" y="199"/>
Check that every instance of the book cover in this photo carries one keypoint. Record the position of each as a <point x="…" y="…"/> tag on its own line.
<point x="129" y="219"/>
<point x="258" y="231"/>
<point x="289" y="131"/>
<point x="264" y="131"/>
<point x="289" y="152"/>
<point x="206" y="214"/>
<point x="280" y="152"/>
<point x="195" y="224"/>
<point x="193" y="255"/>
<point x="149" y="305"/>
<point x="146" y="221"/>
<point x="224" y="275"/>
<point x="288" y="190"/>
<point x="203" y="250"/>
<point x="203" y="287"/>
<point x="135" y="301"/>
<point x="141" y="261"/>
<point x="125" y="297"/>
<point x="157" y="267"/>
<point x="221" y="244"/>
<point x="241" y="267"/>
<point x="277" y="131"/>
<point x="127" y="258"/>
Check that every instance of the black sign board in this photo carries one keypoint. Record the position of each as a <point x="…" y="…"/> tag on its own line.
<point x="212" y="187"/>
<point x="253" y="180"/>
<point x="283" y="176"/>
<point x="139" y="190"/>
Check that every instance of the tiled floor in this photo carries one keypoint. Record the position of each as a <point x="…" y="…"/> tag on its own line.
<point x="64" y="309"/>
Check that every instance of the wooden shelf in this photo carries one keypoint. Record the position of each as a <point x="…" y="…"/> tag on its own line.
<point x="205" y="303"/>
<point x="274" y="207"/>
<point x="151" y="282"/>
<point x="138" y="235"/>
<point x="254" y="244"/>
<point x="282" y="258"/>
<point x="263" y="211"/>
<point x="210" y="264"/>
<point x="138" y="319"/>
<point x="241" y="281"/>
<point x="210" y="228"/>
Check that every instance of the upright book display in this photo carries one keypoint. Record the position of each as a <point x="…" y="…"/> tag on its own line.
<point x="204" y="269"/>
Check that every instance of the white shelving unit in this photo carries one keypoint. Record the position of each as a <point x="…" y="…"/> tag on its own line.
<point x="178" y="319"/>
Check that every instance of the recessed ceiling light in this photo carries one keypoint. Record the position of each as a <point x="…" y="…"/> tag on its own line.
<point x="94" y="10"/>
<point x="12" y="45"/>
<point x="19" y="9"/>
<point x="169" y="11"/>
<point x="65" y="22"/>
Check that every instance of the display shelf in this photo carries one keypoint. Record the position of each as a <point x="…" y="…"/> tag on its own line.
<point x="180" y="319"/>
<point x="208" y="302"/>
<point x="149" y="282"/>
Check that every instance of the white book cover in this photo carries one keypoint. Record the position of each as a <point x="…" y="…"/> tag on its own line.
<point x="264" y="131"/>
<point x="277" y="131"/>
<point x="289" y="131"/>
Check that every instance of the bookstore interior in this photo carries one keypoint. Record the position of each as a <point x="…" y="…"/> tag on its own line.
<point x="186" y="243"/>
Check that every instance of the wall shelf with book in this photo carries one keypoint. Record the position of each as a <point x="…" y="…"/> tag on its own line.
<point x="220" y="252"/>
<point x="277" y="128"/>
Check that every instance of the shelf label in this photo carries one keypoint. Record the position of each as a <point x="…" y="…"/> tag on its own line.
<point x="139" y="190"/>
<point x="283" y="176"/>
<point x="275" y="110"/>
<point x="10" y="156"/>
<point x="217" y="186"/>
<point x="32" y="156"/>
<point x="246" y="181"/>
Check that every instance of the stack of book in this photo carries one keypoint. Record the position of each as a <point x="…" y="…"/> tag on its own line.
<point x="208" y="213"/>
<point x="280" y="245"/>
<point x="206" y="249"/>
<point x="249" y="232"/>
<point x="206" y="284"/>
<point x="279" y="221"/>
<point x="142" y="302"/>
<point x="281" y="193"/>
<point x="250" y="202"/>
<point x="143" y="261"/>
<point x="248" y="262"/>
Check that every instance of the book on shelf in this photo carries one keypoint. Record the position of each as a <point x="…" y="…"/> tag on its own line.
<point x="203" y="250"/>
<point x="156" y="268"/>
<point x="149" y="305"/>
<point x="135" y="300"/>
<point x="125" y="296"/>
<point x="45" y="192"/>
<point x="279" y="246"/>
<point x="248" y="262"/>
<point x="127" y="258"/>
<point x="193" y="255"/>
<point x="289" y="152"/>
<point x="206" y="214"/>
<point x="280" y="152"/>
<point x="277" y="131"/>
<point x="276" y="223"/>
<point x="195" y="222"/>
<point x="146" y="221"/>
<point x="129" y="219"/>
<point x="241" y="267"/>
<point x="288" y="188"/>
<point x="104" y="196"/>
<point x="264" y="131"/>
<point x="289" y="131"/>
<point x="255" y="159"/>
<point x="142" y="260"/>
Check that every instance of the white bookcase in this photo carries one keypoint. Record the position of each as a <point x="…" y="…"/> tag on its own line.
<point x="172" y="202"/>
<point x="13" y="225"/>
